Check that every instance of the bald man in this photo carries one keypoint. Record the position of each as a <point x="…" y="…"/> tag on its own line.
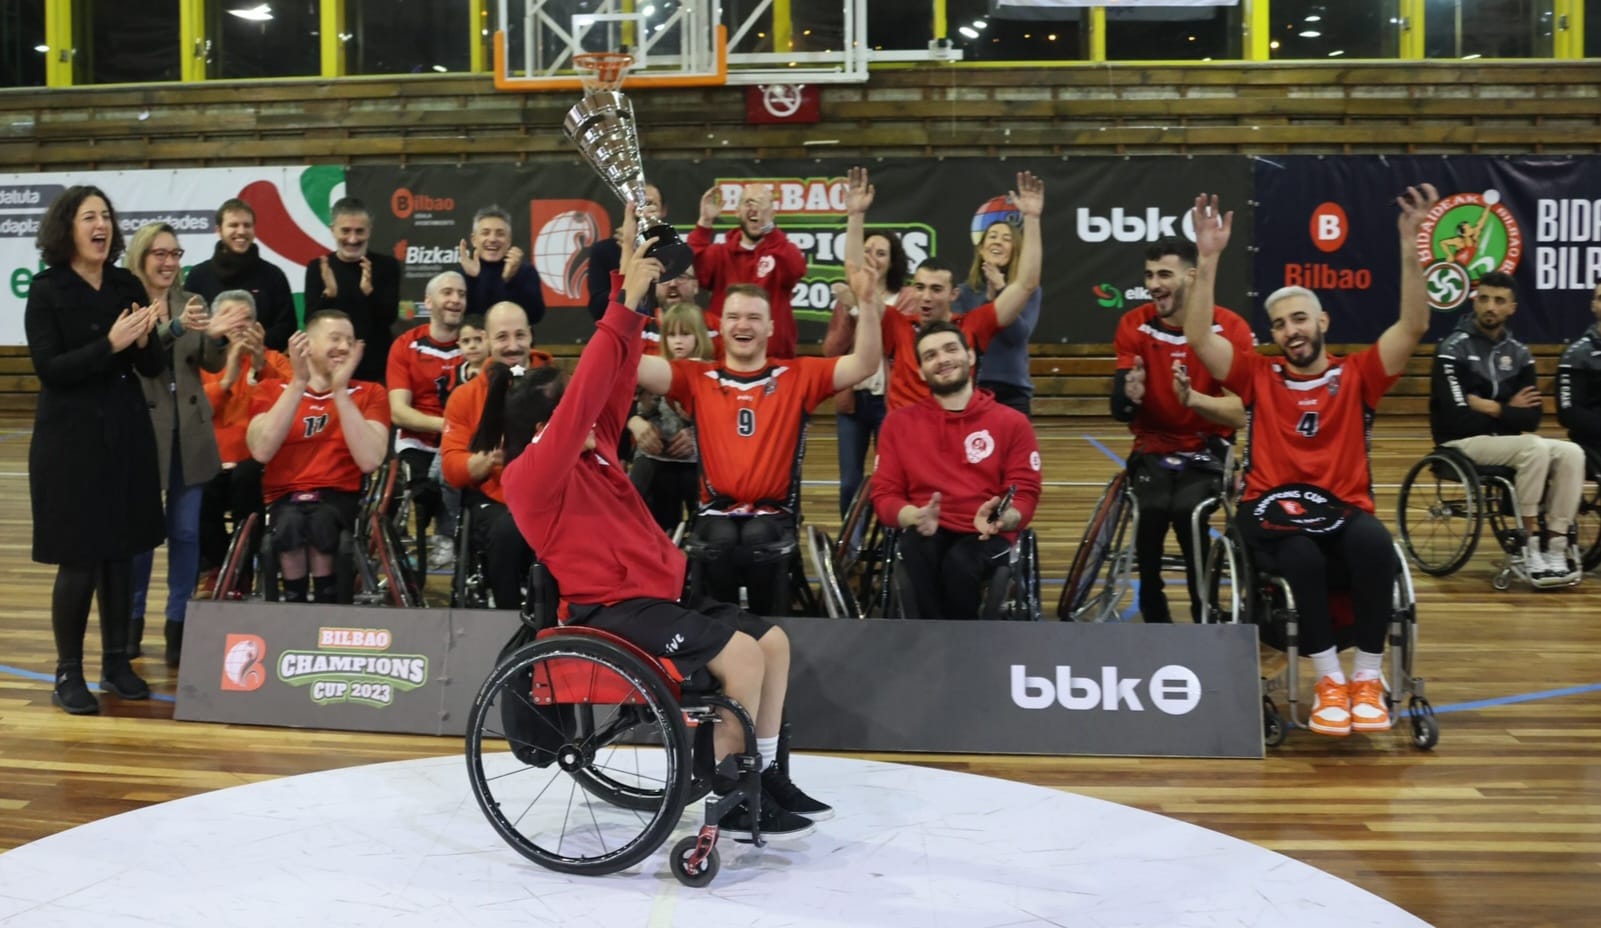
<point x="755" y="252"/>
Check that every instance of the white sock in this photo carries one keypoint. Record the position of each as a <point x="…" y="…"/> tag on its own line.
<point x="768" y="749"/>
<point x="1327" y="664"/>
<point x="1367" y="666"/>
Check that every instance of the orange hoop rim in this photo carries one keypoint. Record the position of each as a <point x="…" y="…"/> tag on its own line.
<point x="603" y="69"/>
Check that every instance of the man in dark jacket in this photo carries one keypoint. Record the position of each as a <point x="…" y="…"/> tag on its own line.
<point x="1579" y="383"/>
<point x="362" y="284"/>
<point x="237" y="265"/>
<point x="497" y="271"/>
<point x="1484" y="402"/>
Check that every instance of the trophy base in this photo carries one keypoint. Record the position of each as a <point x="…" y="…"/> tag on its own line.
<point x="663" y="244"/>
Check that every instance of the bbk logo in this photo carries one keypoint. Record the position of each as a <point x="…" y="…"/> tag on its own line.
<point x="1130" y="226"/>
<point x="1173" y="689"/>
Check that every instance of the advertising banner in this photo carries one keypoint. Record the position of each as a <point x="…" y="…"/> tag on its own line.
<point x="291" y="204"/>
<point x="1100" y="215"/>
<point x="1330" y="224"/>
<point x="990" y="687"/>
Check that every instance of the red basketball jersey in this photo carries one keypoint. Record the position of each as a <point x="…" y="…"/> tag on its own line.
<point x="426" y="368"/>
<point x="1310" y="429"/>
<point x="314" y="455"/>
<point x="1161" y="424"/>
<point x="906" y="385"/>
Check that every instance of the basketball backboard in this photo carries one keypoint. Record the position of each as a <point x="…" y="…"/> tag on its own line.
<point x="674" y="43"/>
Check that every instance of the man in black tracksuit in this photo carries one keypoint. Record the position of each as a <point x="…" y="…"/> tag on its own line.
<point x="1484" y="402"/>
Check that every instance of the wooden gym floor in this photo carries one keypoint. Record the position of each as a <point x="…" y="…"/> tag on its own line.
<point x="1499" y="825"/>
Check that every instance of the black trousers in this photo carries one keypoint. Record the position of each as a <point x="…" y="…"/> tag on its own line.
<point x="76" y="585"/>
<point x="507" y="556"/>
<point x="1168" y="499"/>
<point x="945" y="572"/>
<point x="426" y="496"/>
<point x="766" y="585"/>
<point x="236" y="490"/>
<point x="1359" y="556"/>
<point x="670" y="489"/>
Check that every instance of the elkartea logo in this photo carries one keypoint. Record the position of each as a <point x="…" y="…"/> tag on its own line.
<point x="1172" y="689"/>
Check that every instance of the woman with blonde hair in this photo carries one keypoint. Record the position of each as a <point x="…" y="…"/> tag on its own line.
<point x="190" y="340"/>
<point x="997" y="255"/>
<point x="666" y="467"/>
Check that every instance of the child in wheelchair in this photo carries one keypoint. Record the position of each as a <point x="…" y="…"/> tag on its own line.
<point x="616" y="569"/>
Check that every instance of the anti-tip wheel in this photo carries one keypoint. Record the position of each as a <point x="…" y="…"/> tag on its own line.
<point x="1425" y="730"/>
<point x="698" y="876"/>
<point x="1273" y="730"/>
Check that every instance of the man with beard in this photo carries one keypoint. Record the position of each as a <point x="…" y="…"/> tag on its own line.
<point x="477" y="473"/>
<point x="361" y="284"/>
<point x="1484" y="402"/>
<point x="934" y="290"/>
<point x="237" y="265"/>
<point x="1172" y="414"/>
<point x="495" y="270"/>
<point x="749" y="412"/>
<point x="1308" y="502"/>
<point x="754" y="252"/>
<point x="422" y="364"/>
<point x="945" y="465"/>
<point x="316" y="436"/>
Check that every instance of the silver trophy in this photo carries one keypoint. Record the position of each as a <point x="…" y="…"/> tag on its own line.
<point x="602" y="126"/>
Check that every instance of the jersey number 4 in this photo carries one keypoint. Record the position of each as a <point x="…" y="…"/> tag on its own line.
<point x="1308" y="424"/>
<point x="746" y="422"/>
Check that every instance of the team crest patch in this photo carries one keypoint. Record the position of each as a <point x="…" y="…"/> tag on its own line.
<point x="765" y="265"/>
<point x="1034" y="460"/>
<point x="1504" y="362"/>
<point x="980" y="445"/>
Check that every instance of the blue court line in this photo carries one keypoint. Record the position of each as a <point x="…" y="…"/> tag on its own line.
<point x="1116" y="458"/>
<point x="1517" y="698"/>
<point x="50" y="678"/>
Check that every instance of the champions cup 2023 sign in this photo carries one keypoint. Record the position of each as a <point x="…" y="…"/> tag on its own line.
<point x="292" y="207"/>
<point x="342" y="665"/>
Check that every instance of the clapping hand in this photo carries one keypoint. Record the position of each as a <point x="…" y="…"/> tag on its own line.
<point x="468" y="257"/>
<point x="1134" y="382"/>
<point x="928" y="517"/>
<point x="299" y="351"/>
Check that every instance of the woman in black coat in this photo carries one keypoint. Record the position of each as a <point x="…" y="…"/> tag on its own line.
<point x="92" y="468"/>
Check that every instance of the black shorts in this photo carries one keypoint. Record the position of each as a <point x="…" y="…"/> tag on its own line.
<point x="312" y="520"/>
<point x="688" y="637"/>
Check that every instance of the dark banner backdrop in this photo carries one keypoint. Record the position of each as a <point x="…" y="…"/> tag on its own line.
<point x="1100" y="215"/>
<point x="1329" y="224"/>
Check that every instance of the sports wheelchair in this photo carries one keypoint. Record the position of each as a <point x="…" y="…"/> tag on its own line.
<point x="608" y="746"/>
<point x="371" y="564"/>
<point x="1446" y="498"/>
<point x="1101" y="579"/>
<point x="1011" y="586"/>
<point x="1235" y="590"/>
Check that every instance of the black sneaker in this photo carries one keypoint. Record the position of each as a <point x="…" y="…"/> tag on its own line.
<point x="781" y="788"/>
<point x="118" y="677"/>
<point x="72" y="694"/>
<point x="777" y="822"/>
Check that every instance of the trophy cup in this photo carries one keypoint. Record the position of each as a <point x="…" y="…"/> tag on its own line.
<point x="602" y="126"/>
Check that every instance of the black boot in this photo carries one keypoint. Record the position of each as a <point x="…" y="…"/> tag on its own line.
<point x="136" y="634"/>
<point x="117" y="676"/>
<point x="71" y="692"/>
<point x="174" y="642"/>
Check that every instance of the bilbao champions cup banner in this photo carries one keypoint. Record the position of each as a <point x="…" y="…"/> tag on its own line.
<point x="291" y="204"/>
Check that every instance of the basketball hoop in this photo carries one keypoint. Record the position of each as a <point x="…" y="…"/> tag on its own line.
<point x="602" y="70"/>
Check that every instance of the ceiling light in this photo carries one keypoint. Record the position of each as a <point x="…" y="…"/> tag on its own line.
<point x="1337" y="53"/>
<point x="1273" y="44"/>
<point x="1312" y="34"/>
<point x="980" y="24"/>
<point x="1051" y="37"/>
<point x="256" y="14"/>
<point x="41" y="48"/>
<point x="441" y="68"/>
<point x="1314" y="18"/>
<point x="968" y="32"/>
<point x="1471" y="57"/>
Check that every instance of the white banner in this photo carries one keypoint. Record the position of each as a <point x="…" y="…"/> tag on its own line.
<point x="291" y="205"/>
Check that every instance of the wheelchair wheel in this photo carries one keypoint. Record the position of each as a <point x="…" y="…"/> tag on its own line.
<point x="1095" y="585"/>
<point x="578" y="755"/>
<point x="1439" y="513"/>
<point x="691" y="873"/>
<point x="241" y="548"/>
<point x="837" y="601"/>
<point x="1229" y="584"/>
<point x="1425" y="729"/>
<point x="1587" y="525"/>
<point x="1273" y="728"/>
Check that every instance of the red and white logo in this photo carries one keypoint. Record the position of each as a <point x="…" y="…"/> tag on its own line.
<point x="1329" y="227"/>
<point x="243" y="667"/>
<point x="563" y="233"/>
<point x="1034" y="460"/>
<point x="980" y="445"/>
<point x="1292" y="507"/>
<point x="765" y="265"/>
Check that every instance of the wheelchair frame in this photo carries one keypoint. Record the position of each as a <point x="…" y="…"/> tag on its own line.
<point x="602" y="703"/>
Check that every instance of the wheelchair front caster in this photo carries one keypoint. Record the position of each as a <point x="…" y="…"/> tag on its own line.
<point x="694" y="858"/>
<point x="1502" y="581"/>
<point x="1425" y="730"/>
<point x="1272" y="723"/>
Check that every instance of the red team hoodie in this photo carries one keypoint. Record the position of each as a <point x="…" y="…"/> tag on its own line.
<point x="556" y="489"/>
<point x="967" y="457"/>
<point x="774" y="264"/>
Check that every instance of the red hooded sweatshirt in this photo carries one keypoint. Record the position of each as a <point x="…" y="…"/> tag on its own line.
<point x="774" y="264"/>
<point x="576" y="508"/>
<point x="967" y="457"/>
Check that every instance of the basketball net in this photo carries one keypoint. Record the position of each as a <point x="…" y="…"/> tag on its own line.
<point x="602" y="70"/>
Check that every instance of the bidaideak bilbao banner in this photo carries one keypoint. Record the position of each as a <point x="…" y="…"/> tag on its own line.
<point x="291" y="205"/>
<point x="1100" y="216"/>
<point x="1330" y="224"/>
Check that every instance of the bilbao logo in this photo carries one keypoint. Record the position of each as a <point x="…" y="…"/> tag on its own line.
<point x="1329" y="227"/>
<point x="1173" y="689"/>
<point x="243" y="663"/>
<point x="405" y="204"/>
<point x="1466" y="236"/>
<point x="565" y="231"/>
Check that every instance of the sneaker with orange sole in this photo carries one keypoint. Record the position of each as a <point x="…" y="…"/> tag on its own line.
<point x="1331" y="713"/>
<point x="1368" y="712"/>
